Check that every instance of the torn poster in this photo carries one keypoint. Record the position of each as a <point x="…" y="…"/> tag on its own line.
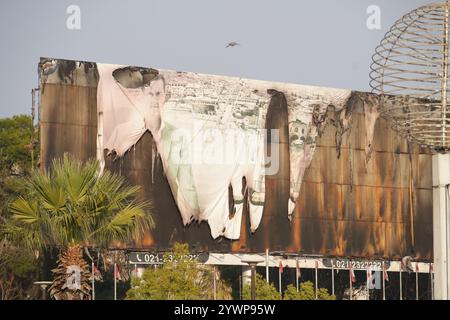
<point x="213" y="132"/>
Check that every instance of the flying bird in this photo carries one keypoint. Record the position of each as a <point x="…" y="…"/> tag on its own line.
<point x="232" y="44"/>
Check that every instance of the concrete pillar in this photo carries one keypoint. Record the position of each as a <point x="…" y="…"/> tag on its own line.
<point x="441" y="178"/>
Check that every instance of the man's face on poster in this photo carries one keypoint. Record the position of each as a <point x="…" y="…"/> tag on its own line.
<point x="157" y="94"/>
<point x="157" y="97"/>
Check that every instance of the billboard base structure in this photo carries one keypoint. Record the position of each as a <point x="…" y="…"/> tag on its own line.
<point x="441" y="228"/>
<point x="372" y="279"/>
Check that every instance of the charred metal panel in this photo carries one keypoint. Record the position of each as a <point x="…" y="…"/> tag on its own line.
<point x="352" y="207"/>
<point x="349" y="204"/>
<point x="274" y="221"/>
<point x="68" y="121"/>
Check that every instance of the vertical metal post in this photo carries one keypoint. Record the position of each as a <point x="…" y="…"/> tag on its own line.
<point x="441" y="180"/>
<point x="39" y="114"/>
<point x="279" y="282"/>
<point x="444" y="78"/>
<point x="332" y="277"/>
<point x="401" y="285"/>
<point x="384" y="284"/>
<point x="115" y="281"/>
<point x="240" y="287"/>
<point x="367" y="282"/>
<point x="350" y="274"/>
<point x="315" y="282"/>
<point x="33" y="110"/>
<point x="432" y="281"/>
<point x="417" y="281"/>
<point x="253" y="280"/>
<point x="135" y="272"/>
<point x="297" y="266"/>
<point x="442" y="268"/>
<point x="93" y="281"/>
<point x="252" y="268"/>
<point x="267" y="265"/>
<point x="115" y="277"/>
<point x="100" y="149"/>
<point x="215" y="284"/>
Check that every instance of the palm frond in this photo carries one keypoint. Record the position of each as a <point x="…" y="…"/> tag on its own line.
<point x="72" y="203"/>
<point x="130" y="223"/>
<point x="29" y="238"/>
<point x="51" y="195"/>
<point x="24" y="211"/>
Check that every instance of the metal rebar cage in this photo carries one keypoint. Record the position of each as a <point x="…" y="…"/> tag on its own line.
<point x="410" y="73"/>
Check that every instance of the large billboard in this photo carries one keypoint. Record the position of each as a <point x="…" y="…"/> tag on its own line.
<point x="238" y="165"/>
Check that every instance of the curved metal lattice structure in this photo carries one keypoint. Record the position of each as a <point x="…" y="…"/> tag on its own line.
<point x="410" y="70"/>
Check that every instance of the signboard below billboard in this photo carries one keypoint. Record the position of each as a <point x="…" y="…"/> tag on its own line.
<point x="161" y="258"/>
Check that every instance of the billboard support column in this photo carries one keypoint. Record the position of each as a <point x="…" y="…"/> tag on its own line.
<point x="252" y="268"/>
<point x="350" y="277"/>
<point x="368" y="279"/>
<point x="332" y="277"/>
<point x="214" y="283"/>
<point x="384" y="279"/>
<point x="93" y="280"/>
<point x="431" y="280"/>
<point x="115" y="279"/>
<point x="315" y="281"/>
<point x="33" y="111"/>
<point x="417" y="281"/>
<point x="100" y="143"/>
<point x="280" y="270"/>
<point x="267" y="265"/>
<point x="240" y="288"/>
<point x="441" y="181"/>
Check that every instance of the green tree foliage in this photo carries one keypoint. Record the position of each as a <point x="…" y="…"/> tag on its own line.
<point x="72" y="205"/>
<point x="177" y="279"/>
<point x="306" y="292"/>
<point x="15" y="157"/>
<point x="15" y="145"/>
<point x="18" y="268"/>
<point x="17" y="271"/>
<point x="264" y="290"/>
<point x="322" y="294"/>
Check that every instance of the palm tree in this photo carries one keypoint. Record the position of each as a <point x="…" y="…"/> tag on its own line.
<point x="72" y="207"/>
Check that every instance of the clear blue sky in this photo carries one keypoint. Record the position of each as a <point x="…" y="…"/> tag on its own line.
<point x="315" y="42"/>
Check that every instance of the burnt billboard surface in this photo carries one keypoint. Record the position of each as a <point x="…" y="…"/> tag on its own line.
<point x="237" y="165"/>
